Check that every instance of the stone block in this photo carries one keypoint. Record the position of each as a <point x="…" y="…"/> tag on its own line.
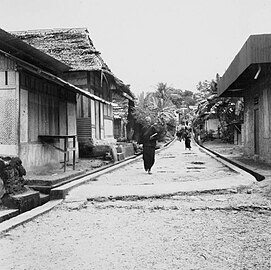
<point x="129" y="150"/>
<point x="23" y="202"/>
<point x="126" y="148"/>
<point x="100" y="150"/>
<point x="121" y="156"/>
<point x="114" y="153"/>
<point x="119" y="149"/>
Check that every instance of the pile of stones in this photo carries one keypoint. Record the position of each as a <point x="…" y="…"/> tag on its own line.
<point x="11" y="176"/>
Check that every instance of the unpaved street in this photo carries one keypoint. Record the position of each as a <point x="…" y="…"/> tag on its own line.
<point x="98" y="228"/>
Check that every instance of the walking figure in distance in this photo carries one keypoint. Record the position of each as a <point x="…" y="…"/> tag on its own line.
<point x="180" y="133"/>
<point x="187" y="139"/>
<point x="148" y="138"/>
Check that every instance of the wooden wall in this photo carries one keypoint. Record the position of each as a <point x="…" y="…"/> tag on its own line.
<point x="94" y="118"/>
<point x="258" y="98"/>
<point x="45" y="109"/>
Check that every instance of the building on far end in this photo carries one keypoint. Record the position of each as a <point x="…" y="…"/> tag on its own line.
<point x="74" y="47"/>
<point x="124" y="122"/>
<point x="249" y="76"/>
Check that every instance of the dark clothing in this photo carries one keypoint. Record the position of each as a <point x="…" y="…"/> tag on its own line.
<point x="187" y="139"/>
<point x="146" y="133"/>
<point x="148" y="157"/>
<point x="148" y="139"/>
<point x="187" y="143"/>
<point x="180" y="134"/>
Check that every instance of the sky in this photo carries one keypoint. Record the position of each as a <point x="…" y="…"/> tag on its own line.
<point x="146" y="42"/>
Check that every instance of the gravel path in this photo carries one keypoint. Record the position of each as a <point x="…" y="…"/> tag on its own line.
<point x="181" y="232"/>
<point x="218" y="230"/>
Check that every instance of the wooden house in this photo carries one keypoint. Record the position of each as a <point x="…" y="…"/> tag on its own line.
<point x="88" y="71"/>
<point x="248" y="76"/>
<point x="37" y="107"/>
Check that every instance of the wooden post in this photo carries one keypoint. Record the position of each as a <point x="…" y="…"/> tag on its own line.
<point x="65" y="152"/>
<point x="73" y="154"/>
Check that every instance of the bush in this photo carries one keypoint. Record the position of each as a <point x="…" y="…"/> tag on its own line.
<point x="227" y="135"/>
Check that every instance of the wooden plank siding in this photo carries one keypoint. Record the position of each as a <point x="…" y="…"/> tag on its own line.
<point x="91" y="112"/>
<point x="49" y="110"/>
<point x="43" y="106"/>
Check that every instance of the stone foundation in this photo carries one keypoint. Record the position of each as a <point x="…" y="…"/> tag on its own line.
<point x="23" y="202"/>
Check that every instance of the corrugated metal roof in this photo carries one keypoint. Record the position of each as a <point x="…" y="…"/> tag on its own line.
<point x="16" y="47"/>
<point x="254" y="57"/>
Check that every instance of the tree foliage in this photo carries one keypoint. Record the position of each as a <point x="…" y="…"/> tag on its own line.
<point x="158" y="105"/>
<point x="228" y="110"/>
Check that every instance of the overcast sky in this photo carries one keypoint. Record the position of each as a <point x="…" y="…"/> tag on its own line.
<point x="144" y="42"/>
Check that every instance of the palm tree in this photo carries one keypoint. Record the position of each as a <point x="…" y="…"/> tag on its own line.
<point x="158" y="105"/>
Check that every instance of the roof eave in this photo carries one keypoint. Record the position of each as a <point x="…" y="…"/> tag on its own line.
<point x="251" y="63"/>
<point x="58" y="80"/>
<point x="20" y="49"/>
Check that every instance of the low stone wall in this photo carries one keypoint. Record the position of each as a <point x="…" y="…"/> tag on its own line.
<point x="13" y="192"/>
<point x="125" y="150"/>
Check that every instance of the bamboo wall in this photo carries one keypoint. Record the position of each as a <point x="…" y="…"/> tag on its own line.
<point x="9" y="107"/>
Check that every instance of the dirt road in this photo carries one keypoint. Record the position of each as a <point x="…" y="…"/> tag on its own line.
<point x="98" y="227"/>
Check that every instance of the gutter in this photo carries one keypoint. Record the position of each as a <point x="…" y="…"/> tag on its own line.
<point x="258" y="177"/>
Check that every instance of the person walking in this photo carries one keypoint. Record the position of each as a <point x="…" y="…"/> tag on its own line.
<point x="148" y="138"/>
<point x="180" y="133"/>
<point x="187" y="139"/>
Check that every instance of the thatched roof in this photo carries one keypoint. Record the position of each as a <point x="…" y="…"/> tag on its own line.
<point x="74" y="47"/>
<point x="71" y="46"/>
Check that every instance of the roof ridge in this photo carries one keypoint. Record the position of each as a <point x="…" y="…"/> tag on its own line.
<point x="53" y="30"/>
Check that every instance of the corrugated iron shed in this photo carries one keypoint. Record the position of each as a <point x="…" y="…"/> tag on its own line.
<point x="252" y="62"/>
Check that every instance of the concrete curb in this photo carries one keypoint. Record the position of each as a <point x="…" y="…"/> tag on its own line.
<point x="248" y="169"/>
<point x="27" y="216"/>
<point x="231" y="165"/>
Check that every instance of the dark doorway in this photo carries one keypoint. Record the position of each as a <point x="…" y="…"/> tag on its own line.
<point x="256" y="131"/>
